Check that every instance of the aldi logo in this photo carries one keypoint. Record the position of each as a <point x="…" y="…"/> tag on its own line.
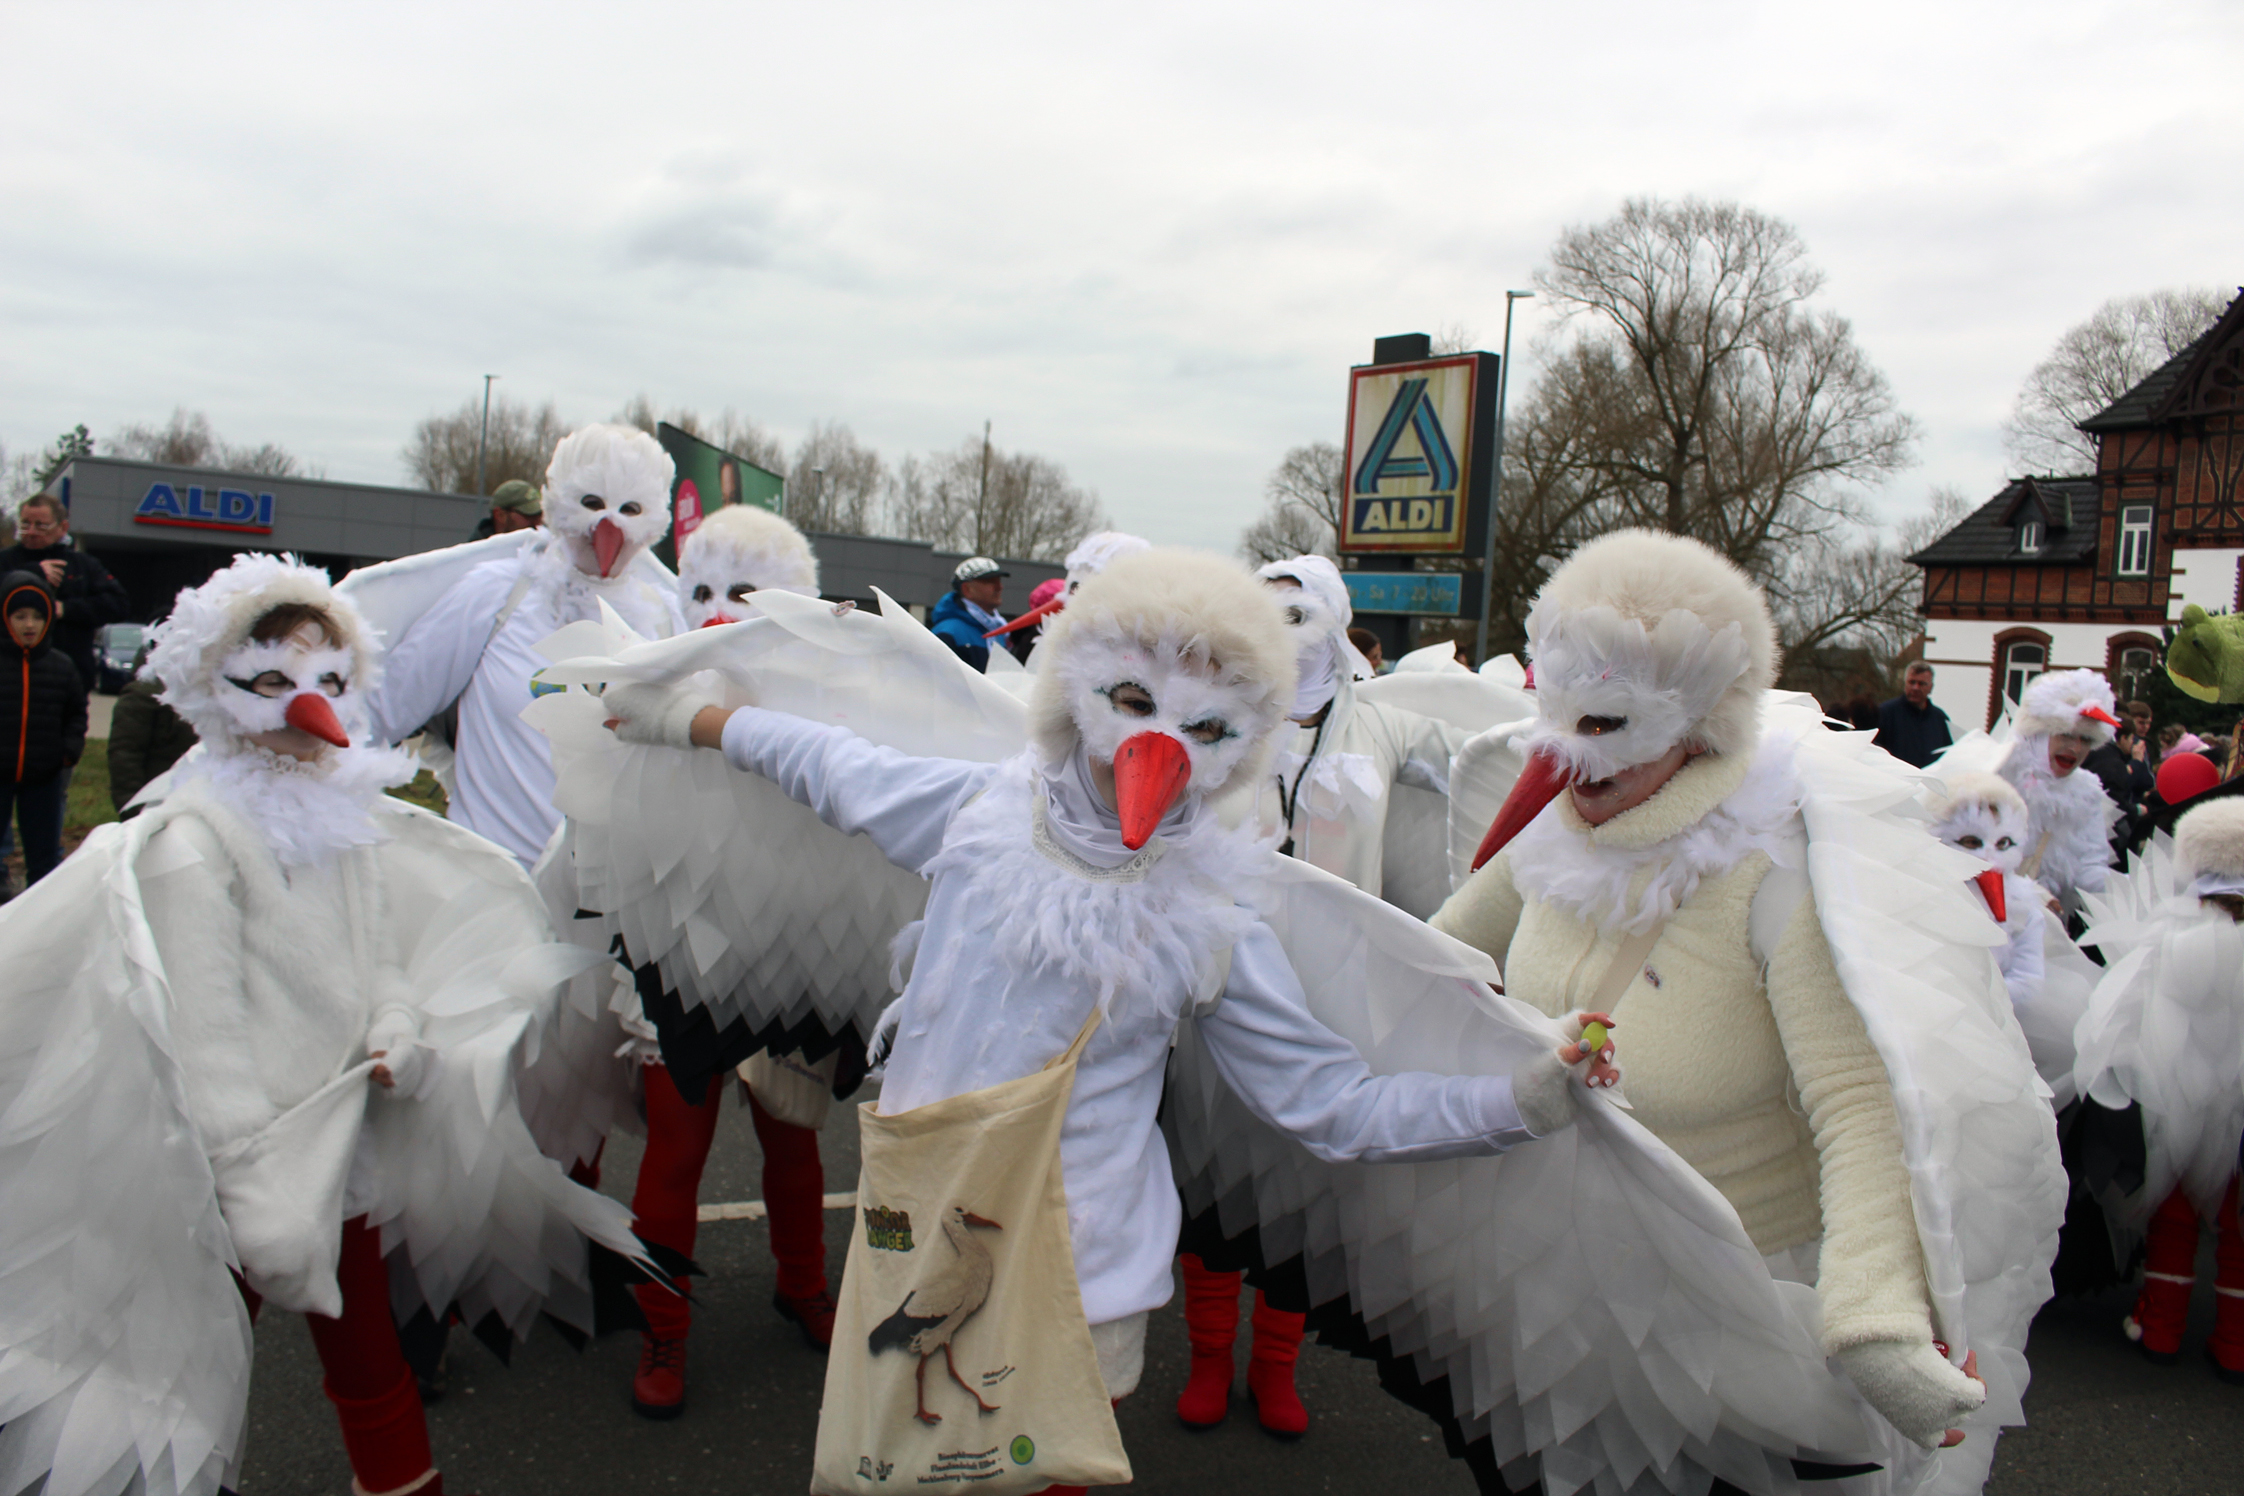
<point x="1409" y="454"/>
<point x="197" y="508"/>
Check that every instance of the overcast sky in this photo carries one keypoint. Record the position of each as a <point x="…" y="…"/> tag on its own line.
<point x="1143" y="240"/>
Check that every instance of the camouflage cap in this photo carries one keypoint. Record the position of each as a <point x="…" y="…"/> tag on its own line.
<point x="519" y="496"/>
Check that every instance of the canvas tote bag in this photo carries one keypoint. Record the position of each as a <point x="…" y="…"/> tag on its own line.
<point x="961" y="1358"/>
<point x="795" y="1091"/>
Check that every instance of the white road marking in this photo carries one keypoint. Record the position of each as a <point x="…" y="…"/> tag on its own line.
<point x="755" y="1210"/>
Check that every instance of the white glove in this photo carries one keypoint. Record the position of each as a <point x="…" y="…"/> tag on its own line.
<point x="657" y="713"/>
<point x="1913" y="1385"/>
<point x="394" y="1040"/>
<point x="1543" y="1090"/>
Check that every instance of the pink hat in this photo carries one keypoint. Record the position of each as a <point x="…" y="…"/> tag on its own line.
<point x="1045" y="591"/>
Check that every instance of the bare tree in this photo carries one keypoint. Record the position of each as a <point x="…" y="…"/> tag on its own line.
<point x="1709" y="399"/>
<point x="1301" y="512"/>
<point x="2093" y="365"/>
<point x="730" y="431"/>
<point x="839" y="483"/>
<point x="186" y="440"/>
<point x="994" y="503"/>
<point x="441" y="455"/>
<point x="1454" y="337"/>
<point x="1847" y="606"/>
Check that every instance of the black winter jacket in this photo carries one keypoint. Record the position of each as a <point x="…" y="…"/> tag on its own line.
<point x="42" y="700"/>
<point x="89" y="595"/>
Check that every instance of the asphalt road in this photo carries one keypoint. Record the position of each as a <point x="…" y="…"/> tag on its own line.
<point x="2103" y="1422"/>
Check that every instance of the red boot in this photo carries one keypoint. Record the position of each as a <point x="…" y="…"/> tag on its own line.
<point x="663" y="1211"/>
<point x="2226" y="1348"/>
<point x="376" y="1399"/>
<point x="1277" y="1344"/>
<point x="1211" y="1324"/>
<point x="795" y="1194"/>
<point x="2169" y="1274"/>
<point x="658" y="1388"/>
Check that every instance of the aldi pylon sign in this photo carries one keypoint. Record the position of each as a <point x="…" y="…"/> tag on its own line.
<point x="1414" y="439"/>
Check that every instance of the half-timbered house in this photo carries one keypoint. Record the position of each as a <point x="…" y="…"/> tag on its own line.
<point x="2063" y="572"/>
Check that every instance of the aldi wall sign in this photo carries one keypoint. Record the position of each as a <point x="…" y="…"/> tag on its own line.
<point x="193" y="507"/>
<point x="1410" y="456"/>
<point x="1428" y="594"/>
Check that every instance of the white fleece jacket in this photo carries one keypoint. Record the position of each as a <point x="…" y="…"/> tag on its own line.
<point x="1758" y="1071"/>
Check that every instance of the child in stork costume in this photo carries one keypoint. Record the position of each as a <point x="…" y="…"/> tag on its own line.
<point x="2063" y="717"/>
<point x="288" y="1014"/>
<point x="607" y="499"/>
<point x="2166" y="1030"/>
<point x="1327" y="798"/>
<point x="1653" y="854"/>
<point x="736" y="551"/>
<point x="1090" y="872"/>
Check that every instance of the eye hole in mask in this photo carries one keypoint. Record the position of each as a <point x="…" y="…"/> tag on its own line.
<point x="593" y="501"/>
<point x="1209" y="730"/>
<point x="2005" y="843"/>
<point x="1296" y="617"/>
<point x="1130" y="698"/>
<point x="702" y="594"/>
<point x="1972" y="843"/>
<point x="739" y="591"/>
<point x="1598" y="727"/>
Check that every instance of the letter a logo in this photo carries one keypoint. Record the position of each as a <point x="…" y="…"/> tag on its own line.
<point x="1434" y="462"/>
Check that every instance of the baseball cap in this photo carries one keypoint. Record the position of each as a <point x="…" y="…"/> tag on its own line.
<point x="975" y="568"/>
<point x="520" y="496"/>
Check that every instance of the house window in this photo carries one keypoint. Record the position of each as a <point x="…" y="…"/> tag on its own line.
<point x="2135" y="666"/>
<point x="2021" y="662"/>
<point x="2029" y="538"/>
<point x="2135" y="540"/>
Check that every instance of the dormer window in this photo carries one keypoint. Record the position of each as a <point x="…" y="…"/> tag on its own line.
<point x="2029" y="537"/>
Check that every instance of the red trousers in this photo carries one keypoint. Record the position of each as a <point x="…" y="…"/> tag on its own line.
<point x="375" y="1396"/>
<point x="664" y="1204"/>
<point x="1211" y="1316"/>
<point x="2170" y="1273"/>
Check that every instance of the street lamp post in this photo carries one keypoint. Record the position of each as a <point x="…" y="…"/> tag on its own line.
<point x="483" y="442"/>
<point x="1496" y="483"/>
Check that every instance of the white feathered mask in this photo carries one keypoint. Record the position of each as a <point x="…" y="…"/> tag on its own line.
<point x="1174" y="666"/>
<point x="607" y="495"/>
<point x="1983" y="815"/>
<point x="1642" y="641"/>
<point x="229" y="685"/>
<point x="1317" y="609"/>
<point x="2077" y="702"/>
<point x="738" y="550"/>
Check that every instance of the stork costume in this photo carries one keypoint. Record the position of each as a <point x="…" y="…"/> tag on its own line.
<point x="2063" y="716"/>
<point x="1327" y="798"/>
<point x="1777" y="1039"/>
<point x="264" y="1044"/>
<point x="2048" y="978"/>
<point x="2166" y="1029"/>
<point x="607" y="499"/>
<point x="1169" y="672"/>
<point x="736" y="551"/>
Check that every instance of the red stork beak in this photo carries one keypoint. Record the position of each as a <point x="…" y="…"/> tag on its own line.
<point x="607" y="544"/>
<point x="1538" y="784"/>
<point x="1037" y="614"/>
<point x="1990" y="887"/>
<point x="308" y="711"/>
<point x="2098" y="714"/>
<point x="719" y="622"/>
<point x="1150" y="771"/>
<point x="972" y="1219"/>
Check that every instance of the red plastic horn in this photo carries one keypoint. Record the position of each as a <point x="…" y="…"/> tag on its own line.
<point x="1538" y="784"/>
<point x="1150" y="771"/>
<point x="308" y="711"/>
<point x="1990" y="885"/>
<point x="607" y="544"/>
<point x="1037" y="614"/>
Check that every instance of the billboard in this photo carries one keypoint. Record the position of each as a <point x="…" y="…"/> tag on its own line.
<point x="1410" y="455"/>
<point x="709" y="478"/>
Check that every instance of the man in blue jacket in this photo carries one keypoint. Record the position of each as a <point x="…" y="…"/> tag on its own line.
<point x="968" y="611"/>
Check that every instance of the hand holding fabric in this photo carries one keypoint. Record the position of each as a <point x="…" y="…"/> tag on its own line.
<point x="1543" y="1088"/>
<point x="1915" y="1387"/>
<point x="406" y="1067"/>
<point x="655" y="713"/>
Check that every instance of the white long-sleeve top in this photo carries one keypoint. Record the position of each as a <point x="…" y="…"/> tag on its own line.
<point x="974" y="1014"/>
<point x="503" y="767"/>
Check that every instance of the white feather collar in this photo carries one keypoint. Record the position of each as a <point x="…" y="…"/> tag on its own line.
<point x="576" y="598"/>
<point x="1137" y="929"/>
<point x="1594" y="872"/>
<point x="305" y="811"/>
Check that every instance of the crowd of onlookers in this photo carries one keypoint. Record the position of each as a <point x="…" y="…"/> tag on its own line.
<point x="2129" y="767"/>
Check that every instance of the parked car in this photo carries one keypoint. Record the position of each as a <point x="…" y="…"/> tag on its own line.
<point x="116" y="646"/>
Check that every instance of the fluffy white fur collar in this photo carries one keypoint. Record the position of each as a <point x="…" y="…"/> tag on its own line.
<point x="305" y="811"/>
<point x="1134" y="933"/>
<point x="1711" y="814"/>
<point x="576" y="598"/>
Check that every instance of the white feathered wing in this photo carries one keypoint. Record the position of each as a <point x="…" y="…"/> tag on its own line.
<point x="1415" y="871"/>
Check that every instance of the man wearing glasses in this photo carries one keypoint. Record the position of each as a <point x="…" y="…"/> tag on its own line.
<point x="86" y="595"/>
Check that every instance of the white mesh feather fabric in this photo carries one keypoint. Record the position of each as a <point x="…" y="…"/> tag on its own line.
<point x="127" y="1345"/>
<point x="750" y="905"/>
<point x="1539" y="1363"/>
<point x="2166" y="1027"/>
<point x="1415" y="873"/>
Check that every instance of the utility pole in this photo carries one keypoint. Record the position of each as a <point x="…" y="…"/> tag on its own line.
<point x="982" y="499"/>
<point x="1496" y="484"/>
<point x="483" y="442"/>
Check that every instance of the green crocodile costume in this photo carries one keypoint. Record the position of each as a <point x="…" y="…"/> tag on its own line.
<point x="2206" y="659"/>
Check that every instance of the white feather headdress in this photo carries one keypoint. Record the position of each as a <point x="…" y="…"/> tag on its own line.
<point x="741" y="543"/>
<point x="212" y="622"/>
<point x="2056" y="701"/>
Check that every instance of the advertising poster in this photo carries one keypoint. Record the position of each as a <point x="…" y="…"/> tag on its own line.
<point x="710" y="478"/>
